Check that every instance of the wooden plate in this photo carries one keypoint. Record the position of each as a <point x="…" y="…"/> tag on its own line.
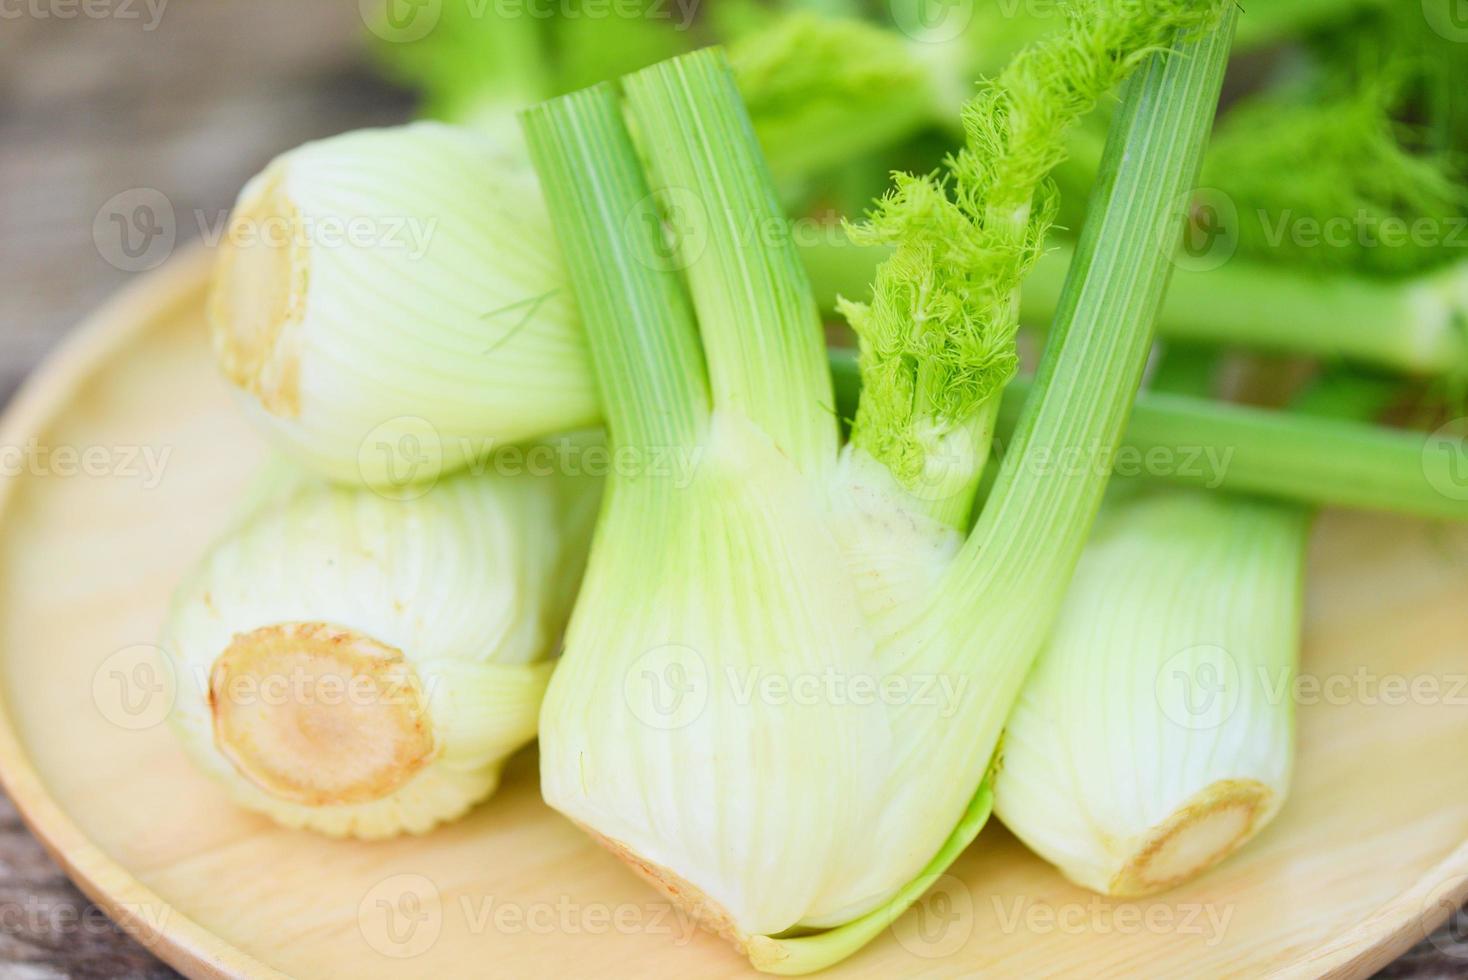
<point x="1368" y="857"/>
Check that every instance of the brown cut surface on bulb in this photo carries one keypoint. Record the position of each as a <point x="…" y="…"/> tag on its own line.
<point x="319" y="715"/>
<point x="258" y="298"/>
<point x="1214" y="824"/>
<point x="685" y="895"/>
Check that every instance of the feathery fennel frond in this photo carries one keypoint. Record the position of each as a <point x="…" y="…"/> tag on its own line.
<point x="470" y="65"/>
<point x="807" y="78"/>
<point x="802" y="56"/>
<point x="1364" y="176"/>
<point x="937" y="334"/>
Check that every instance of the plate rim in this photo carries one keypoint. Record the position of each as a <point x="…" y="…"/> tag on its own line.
<point x="184" y="944"/>
<point x="174" y="937"/>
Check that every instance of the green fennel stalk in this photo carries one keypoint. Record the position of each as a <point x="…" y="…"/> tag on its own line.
<point x="783" y="556"/>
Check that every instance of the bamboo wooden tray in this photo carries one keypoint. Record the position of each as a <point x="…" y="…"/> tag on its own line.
<point x="1369" y="856"/>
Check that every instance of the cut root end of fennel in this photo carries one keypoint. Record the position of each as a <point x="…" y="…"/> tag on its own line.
<point x="259" y="297"/>
<point x="1207" y="830"/>
<point x="361" y="746"/>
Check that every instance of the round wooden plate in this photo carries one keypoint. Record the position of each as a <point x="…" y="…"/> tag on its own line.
<point x="123" y="458"/>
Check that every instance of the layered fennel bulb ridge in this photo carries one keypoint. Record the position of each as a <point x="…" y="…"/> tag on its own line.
<point x="392" y="297"/>
<point x="363" y="667"/>
<point x="784" y="681"/>
<point x="1155" y="735"/>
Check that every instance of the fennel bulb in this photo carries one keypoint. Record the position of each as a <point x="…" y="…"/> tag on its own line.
<point x="1155" y="735"/>
<point x="391" y="305"/>
<point x="361" y="666"/>
<point x="772" y="703"/>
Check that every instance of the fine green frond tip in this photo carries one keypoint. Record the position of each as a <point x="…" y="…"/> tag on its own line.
<point x="825" y="90"/>
<point x="1368" y="173"/>
<point x="466" y="62"/>
<point x="804" y="56"/>
<point x="937" y="338"/>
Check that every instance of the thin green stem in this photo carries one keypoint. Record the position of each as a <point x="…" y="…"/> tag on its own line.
<point x="641" y="331"/>
<point x="1297" y="456"/>
<point x="1185" y="369"/>
<point x="1292" y="456"/>
<point x="1037" y="519"/>
<point x="1418" y="325"/>
<point x="1350" y="395"/>
<point x="760" y="325"/>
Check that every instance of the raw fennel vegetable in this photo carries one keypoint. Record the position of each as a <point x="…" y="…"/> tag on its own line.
<point x="361" y="666"/>
<point x="1303" y="181"/>
<point x="1155" y="735"/>
<point x="823" y="89"/>
<point x="391" y="304"/>
<point x="1335" y="205"/>
<point x="788" y="559"/>
<point x="826" y="87"/>
<point x="379" y="418"/>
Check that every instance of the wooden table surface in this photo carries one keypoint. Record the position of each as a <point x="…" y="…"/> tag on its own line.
<point x="118" y="102"/>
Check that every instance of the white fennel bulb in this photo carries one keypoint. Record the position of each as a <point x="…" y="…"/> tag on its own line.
<point x="1156" y="734"/>
<point x="786" y="676"/>
<point x="391" y="304"/>
<point x="363" y="666"/>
